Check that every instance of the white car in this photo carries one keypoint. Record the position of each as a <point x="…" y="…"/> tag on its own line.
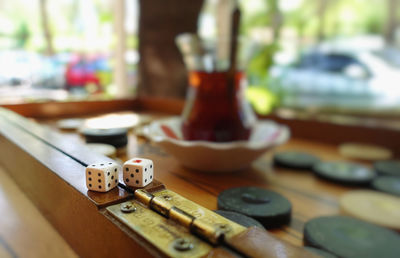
<point x="356" y="78"/>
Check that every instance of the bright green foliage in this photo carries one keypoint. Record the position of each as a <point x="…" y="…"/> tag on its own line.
<point x="262" y="100"/>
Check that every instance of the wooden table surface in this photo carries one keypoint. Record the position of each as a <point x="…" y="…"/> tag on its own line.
<point x="310" y="196"/>
<point x="47" y="154"/>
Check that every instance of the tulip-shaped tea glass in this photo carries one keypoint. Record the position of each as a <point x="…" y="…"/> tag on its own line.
<point x="215" y="109"/>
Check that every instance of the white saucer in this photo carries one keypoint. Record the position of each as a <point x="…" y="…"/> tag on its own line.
<point x="216" y="157"/>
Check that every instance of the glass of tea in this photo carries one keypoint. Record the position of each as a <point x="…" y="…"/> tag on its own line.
<point x="216" y="109"/>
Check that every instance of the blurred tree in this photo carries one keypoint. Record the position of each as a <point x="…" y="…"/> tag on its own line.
<point x="393" y="20"/>
<point x="299" y="19"/>
<point x="266" y="14"/>
<point x="22" y="35"/>
<point x="277" y="18"/>
<point x="322" y="8"/>
<point x="46" y="27"/>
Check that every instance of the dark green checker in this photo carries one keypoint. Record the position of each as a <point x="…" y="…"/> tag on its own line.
<point x="270" y="208"/>
<point x="344" y="172"/>
<point x="295" y="160"/>
<point x="239" y="218"/>
<point x="387" y="184"/>
<point x="349" y="237"/>
<point x="388" y="167"/>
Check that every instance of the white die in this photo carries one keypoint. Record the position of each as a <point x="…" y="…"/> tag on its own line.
<point x="102" y="176"/>
<point x="138" y="172"/>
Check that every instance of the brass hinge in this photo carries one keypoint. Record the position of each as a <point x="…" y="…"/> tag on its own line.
<point x="174" y="224"/>
<point x="195" y="218"/>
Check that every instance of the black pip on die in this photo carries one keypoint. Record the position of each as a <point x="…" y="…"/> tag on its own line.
<point x="138" y="172"/>
<point x="103" y="176"/>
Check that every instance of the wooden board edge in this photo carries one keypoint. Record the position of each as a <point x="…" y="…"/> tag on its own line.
<point x="76" y="218"/>
<point x="53" y="109"/>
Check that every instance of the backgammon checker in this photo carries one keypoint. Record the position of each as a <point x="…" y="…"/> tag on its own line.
<point x="349" y="237"/>
<point x="123" y="222"/>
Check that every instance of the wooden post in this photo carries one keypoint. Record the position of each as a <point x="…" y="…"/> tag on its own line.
<point x="120" y="71"/>
<point x="161" y="68"/>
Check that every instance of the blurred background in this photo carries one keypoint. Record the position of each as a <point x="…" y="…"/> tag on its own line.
<point x="311" y="54"/>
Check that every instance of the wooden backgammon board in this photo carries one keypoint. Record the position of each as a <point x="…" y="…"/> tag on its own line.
<point x="171" y="216"/>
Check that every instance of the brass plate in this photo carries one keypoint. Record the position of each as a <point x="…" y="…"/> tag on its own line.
<point x="200" y="213"/>
<point x="159" y="231"/>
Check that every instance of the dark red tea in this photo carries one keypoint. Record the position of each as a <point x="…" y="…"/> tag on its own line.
<point x="213" y="111"/>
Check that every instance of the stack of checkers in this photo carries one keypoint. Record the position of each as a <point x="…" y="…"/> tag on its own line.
<point x="267" y="207"/>
<point x="116" y="137"/>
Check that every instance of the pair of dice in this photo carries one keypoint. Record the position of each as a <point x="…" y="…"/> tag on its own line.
<point x="103" y="176"/>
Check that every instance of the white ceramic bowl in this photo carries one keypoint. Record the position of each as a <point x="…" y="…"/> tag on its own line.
<point x="211" y="156"/>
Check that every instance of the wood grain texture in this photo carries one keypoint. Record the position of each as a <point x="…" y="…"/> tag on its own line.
<point x="220" y="252"/>
<point x="165" y="105"/>
<point x="70" y="168"/>
<point x="310" y="196"/>
<point x="324" y="127"/>
<point x="33" y="164"/>
<point x="257" y="242"/>
<point x="71" y="108"/>
<point x="365" y="130"/>
<point x="24" y="232"/>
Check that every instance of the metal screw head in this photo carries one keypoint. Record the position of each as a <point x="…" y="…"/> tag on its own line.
<point x="167" y="197"/>
<point x="225" y="228"/>
<point x="182" y="244"/>
<point x="127" y="207"/>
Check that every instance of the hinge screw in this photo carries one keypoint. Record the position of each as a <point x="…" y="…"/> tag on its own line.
<point x="225" y="228"/>
<point x="167" y="197"/>
<point x="182" y="244"/>
<point x="128" y="207"/>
